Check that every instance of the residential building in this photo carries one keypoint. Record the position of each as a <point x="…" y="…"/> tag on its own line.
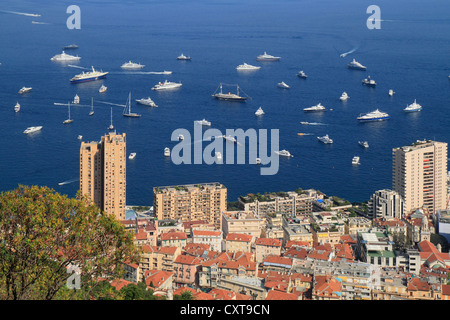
<point x="419" y="175"/>
<point x="291" y="203"/>
<point x="265" y="247"/>
<point x="386" y="204"/>
<point x="443" y="223"/>
<point x="246" y="222"/>
<point x="173" y="239"/>
<point x="238" y="242"/>
<point x="186" y="270"/>
<point x="354" y="225"/>
<point x="103" y="173"/>
<point x="191" y="202"/>
<point x="375" y="247"/>
<point x="213" y="238"/>
<point x="294" y="231"/>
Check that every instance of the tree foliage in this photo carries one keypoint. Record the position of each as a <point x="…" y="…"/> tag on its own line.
<point x="43" y="232"/>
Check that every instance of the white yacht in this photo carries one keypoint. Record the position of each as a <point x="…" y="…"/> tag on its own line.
<point x="180" y="137"/>
<point x="258" y="160"/>
<point x="25" y="90"/>
<point x="247" y="67"/>
<point x="325" y="139"/>
<point x="413" y="107"/>
<point x="64" y="57"/>
<point x="183" y="57"/>
<point x="89" y="76"/>
<point x="32" y="129"/>
<point x="316" y="108"/>
<point x="375" y="115"/>
<point x="302" y="74"/>
<point x="76" y="99"/>
<point x="259" y="112"/>
<point x="369" y="82"/>
<point x="80" y="137"/>
<point x="166" y="85"/>
<point x="132" y="66"/>
<point x="267" y="57"/>
<point x="102" y="89"/>
<point x="344" y="96"/>
<point x="132" y="155"/>
<point x="356" y="65"/>
<point x="363" y="144"/>
<point x="166" y="152"/>
<point x="283" y="85"/>
<point x="284" y="153"/>
<point x="17" y="107"/>
<point x="218" y="155"/>
<point x="304" y="122"/>
<point x="147" y="102"/>
<point x="230" y="138"/>
<point x="391" y="92"/>
<point x="355" y="160"/>
<point x="203" y="122"/>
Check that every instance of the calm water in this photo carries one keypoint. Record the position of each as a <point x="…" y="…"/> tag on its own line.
<point x="409" y="54"/>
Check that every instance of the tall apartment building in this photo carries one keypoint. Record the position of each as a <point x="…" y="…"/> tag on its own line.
<point x="103" y="173"/>
<point x="191" y="202"/>
<point x="419" y="175"/>
<point x="386" y="204"/>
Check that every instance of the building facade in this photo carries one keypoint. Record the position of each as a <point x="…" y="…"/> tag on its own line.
<point x="386" y="204"/>
<point x="191" y="202"/>
<point x="419" y="175"/>
<point x="103" y="173"/>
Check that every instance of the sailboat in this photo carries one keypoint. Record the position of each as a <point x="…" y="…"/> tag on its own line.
<point x="17" y="107"/>
<point x="111" y="127"/>
<point x="92" y="107"/>
<point x="127" y="110"/>
<point x="68" y="120"/>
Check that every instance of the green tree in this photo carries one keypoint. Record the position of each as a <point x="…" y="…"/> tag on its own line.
<point x="137" y="292"/>
<point x="185" y="295"/>
<point x="43" y="232"/>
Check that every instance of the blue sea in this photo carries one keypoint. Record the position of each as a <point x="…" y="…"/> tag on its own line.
<point x="409" y="54"/>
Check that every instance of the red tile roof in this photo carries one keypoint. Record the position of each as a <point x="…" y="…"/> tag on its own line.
<point x="209" y="233"/>
<point x="120" y="283"/>
<point x="157" y="277"/>
<point x="268" y="242"/>
<point x="278" y="295"/>
<point x="189" y="260"/>
<point x="239" y="237"/>
<point x="173" y="236"/>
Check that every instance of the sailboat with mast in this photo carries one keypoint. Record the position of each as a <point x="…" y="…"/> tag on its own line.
<point x="92" y="107"/>
<point x="111" y="127"/>
<point x="69" y="120"/>
<point x="127" y="110"/>
<point x="229" y="96"/>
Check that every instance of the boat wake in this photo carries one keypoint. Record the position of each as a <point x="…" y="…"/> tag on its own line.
<point x="22" y="13"/>
<point x="68" y="181"/>
<point x="36" y="22"/>
<point x="146" y="72"/>
<point x="343" y="55"/>
<point x="72" y="66"/>
<point x="112" y="104"/>
<point x="314" y="123"/>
